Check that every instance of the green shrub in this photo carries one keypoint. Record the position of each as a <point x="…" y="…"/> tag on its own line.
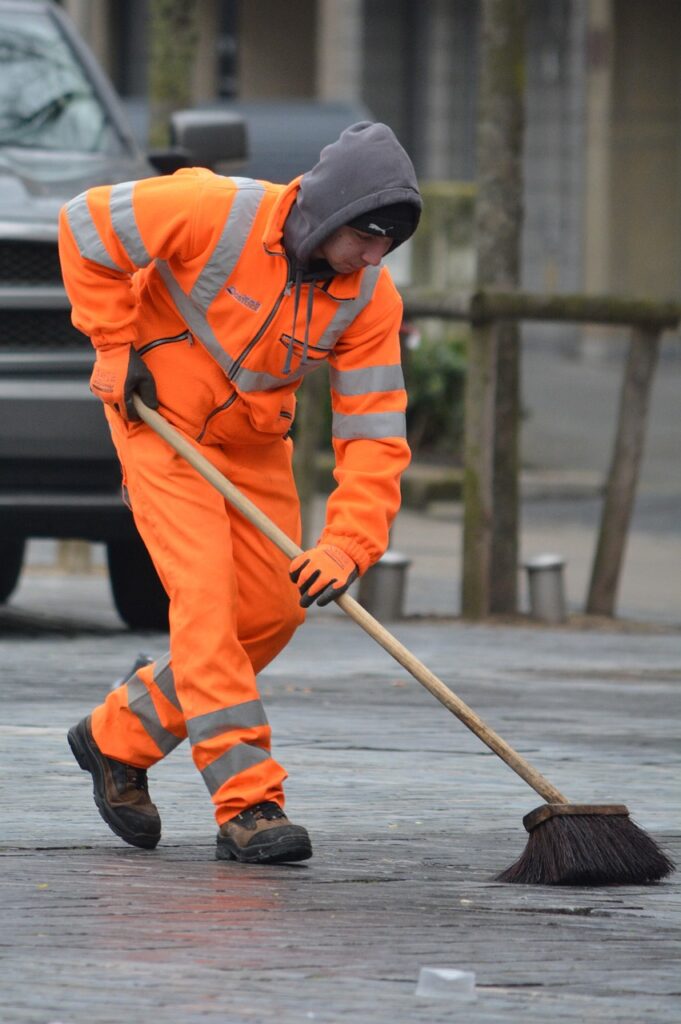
<point x="434" y="371"/>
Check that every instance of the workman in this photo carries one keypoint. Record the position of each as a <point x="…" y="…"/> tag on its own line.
<point x="212" y="298"/>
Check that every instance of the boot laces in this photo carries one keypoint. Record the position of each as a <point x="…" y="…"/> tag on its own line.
<point x="267" y="810"/>
<point x="136" y="777"/>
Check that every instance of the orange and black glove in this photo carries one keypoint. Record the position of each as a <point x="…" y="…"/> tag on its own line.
<point x="118" y="373"/>
<point x="322" y="574"/>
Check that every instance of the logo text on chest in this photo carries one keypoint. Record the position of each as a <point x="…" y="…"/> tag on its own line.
<point x="245" y="300"/>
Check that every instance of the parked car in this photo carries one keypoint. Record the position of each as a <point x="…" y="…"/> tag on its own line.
<point x="62" y="130"/>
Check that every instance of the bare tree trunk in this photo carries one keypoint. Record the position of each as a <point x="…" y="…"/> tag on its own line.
<point x="174" y="38"/>
<point x="491" y="524"/>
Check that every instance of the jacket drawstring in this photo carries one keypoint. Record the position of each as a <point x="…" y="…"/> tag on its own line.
<point x="308" y="317"/>
<point x="296" y="302"/>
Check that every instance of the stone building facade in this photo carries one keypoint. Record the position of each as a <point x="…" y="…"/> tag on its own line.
<point x="603" y="112"/>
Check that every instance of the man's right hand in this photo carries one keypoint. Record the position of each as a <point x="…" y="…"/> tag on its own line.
<point x="118" y="373"/>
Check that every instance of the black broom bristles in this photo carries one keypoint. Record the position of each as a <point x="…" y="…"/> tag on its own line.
<point x="601" y="846"/>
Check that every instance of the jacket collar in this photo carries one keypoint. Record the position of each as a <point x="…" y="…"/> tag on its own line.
<point x="273" y="234"/>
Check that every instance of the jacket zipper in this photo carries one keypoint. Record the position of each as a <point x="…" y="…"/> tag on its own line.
<point x="165" y="341"/>
<point x="209" y="417"/>
<point x="236" y="365"/>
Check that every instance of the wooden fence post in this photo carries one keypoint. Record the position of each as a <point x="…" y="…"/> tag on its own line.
<point x="503" y="593"/>
<point x="624" y="470"/>
<point x="479" y="414"/>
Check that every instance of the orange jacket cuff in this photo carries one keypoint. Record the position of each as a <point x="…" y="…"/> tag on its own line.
<point x="351" y="547"/>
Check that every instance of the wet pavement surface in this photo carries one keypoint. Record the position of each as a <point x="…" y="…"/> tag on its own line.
<point x="411" y="818"/>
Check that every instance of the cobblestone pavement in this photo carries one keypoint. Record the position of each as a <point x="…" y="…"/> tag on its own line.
<point x="410" y="816"/>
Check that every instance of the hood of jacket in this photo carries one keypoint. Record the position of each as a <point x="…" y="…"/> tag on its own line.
<point x="365" y="169"/>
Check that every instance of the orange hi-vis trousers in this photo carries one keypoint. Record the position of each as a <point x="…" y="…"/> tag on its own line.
<point x="232" y="609"/>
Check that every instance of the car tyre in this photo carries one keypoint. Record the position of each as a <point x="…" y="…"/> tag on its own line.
<point x="11" y="561"/>
<point x="138" y="593"/>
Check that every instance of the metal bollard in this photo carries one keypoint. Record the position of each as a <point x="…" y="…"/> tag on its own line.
<point x="381" y="589"/>
<point x="545" y="581"/>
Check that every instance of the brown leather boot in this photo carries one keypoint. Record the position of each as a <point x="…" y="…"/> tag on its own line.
<point x="263" y="835"/>
<point x="120" y="790"/>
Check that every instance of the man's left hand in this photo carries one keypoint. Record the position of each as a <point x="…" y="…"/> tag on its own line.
<point x="322" y="574"/>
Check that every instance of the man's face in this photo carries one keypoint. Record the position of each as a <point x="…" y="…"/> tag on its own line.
<point x="348" y="250"/>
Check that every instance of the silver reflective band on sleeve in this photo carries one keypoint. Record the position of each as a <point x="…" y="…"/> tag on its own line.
<point x="247" y="715"/>
<point x="90" y="245"/>
<point x="230" y="245"/>
<point x="165" y="680"/>
<point x="125" y="225"/>
<point x="141" y="705"/>
<point x="367" y="379"/>
<point x="194" y="319"/>
<point x="369" y="426"/>
<point x="349" y="309"/>
<point x="225" y="767"/>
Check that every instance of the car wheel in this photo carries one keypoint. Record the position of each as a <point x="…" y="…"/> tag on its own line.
<point x="138" y="594"/>
<point x="11" y="561"/>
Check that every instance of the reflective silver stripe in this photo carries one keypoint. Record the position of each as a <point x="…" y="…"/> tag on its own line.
<point x="165" y="680"/>
<point x="367" y="379"/>
<point x="141" y="705"/>
<point x="250" y="380"/>
<point x="349" y="309"/>
<point x="230" y="245"/>
<point x="239" y="716"/>
<point x="240" y="757"/>
<point x="194" y="318"/>
<point x="369" y="425"/>
<point x="90" y="245"/>
<point x="125" y="225"/>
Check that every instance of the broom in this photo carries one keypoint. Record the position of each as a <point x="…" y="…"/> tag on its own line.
<point x="569" y="844"/>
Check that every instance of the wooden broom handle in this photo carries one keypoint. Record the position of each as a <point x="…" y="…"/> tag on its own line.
<point x="355" y="611"/>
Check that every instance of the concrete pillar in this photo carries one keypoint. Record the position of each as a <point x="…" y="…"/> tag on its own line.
<point x="645" y="227"/>
<point x="339" y="50"/>
<point x="276" y="49"/>
<point x="599" y="68"/>
<point x="632" y="210"/>
<point x="439" y="74"/>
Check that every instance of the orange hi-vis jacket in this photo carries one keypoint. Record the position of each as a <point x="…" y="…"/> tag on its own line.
<point x="191" y="269"/>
